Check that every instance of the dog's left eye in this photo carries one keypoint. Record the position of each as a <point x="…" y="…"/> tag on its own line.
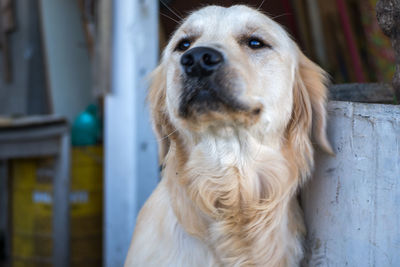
<point x="255" y="43"/>
<point x="183" y="45"/>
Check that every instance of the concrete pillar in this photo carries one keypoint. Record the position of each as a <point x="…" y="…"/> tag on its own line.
<point x="351" y="205"/>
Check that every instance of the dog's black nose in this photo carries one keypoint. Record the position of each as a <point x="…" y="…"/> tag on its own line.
<point x="201" y="61"/>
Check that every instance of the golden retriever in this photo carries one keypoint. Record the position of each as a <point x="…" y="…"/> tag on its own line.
<point x="234" y="103"/>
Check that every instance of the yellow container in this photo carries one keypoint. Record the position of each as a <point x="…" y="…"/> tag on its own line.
<point x="32" y="204"/>
<point x="86" y="200"/>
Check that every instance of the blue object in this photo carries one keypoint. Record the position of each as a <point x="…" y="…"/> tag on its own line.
<point x="86" y="127"/>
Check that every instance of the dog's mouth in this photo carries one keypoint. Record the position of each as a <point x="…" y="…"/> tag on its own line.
<point x="201" y="96"/>
<point x="216" y="102"/>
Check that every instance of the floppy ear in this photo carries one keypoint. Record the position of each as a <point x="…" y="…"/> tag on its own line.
<point x="314" y="81"/>
<point x="160" y="120"/>
<point x="309" y="113"/>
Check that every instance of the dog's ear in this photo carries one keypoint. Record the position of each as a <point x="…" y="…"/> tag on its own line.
<point x="314" y="81"/>
<point x="160" y="120"/>
<point x="309" y="112"/>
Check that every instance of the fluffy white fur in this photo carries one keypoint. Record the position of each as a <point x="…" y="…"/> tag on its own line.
<point x="230" y="178"/>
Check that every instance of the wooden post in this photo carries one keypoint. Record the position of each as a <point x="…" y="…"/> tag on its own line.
<point x="388" y="15"/>
<point x="66" y="57"/>
<point x="103" y="49"/>
<point x="131" y="169"/>
<point x="61" y="218"/>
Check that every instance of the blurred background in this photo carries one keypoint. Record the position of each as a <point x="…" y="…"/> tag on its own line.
<point x="77" y="154"/>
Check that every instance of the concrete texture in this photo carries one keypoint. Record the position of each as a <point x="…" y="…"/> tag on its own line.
<point x="352" y="204"/>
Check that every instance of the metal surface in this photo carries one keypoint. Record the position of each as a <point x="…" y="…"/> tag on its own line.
<point x="352" y="203"/>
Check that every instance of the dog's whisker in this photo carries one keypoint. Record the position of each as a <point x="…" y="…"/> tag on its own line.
<point x="168" y="135"/>
<point x="281" y="15"/>
<point x="170" y="9"/>
<point x="262" y="3"/>
<point x="177" y="12"/>
<point x="174" y="20"/>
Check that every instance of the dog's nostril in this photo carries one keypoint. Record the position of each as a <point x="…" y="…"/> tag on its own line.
<point x="187" y="60"/>
<point x="207" y="59"/>
<point x="211" y="60"/>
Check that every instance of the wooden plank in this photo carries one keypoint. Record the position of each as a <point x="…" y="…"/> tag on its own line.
<point x="103" y="49"/>
<point x="7" y="122"/>
<point x="14" y="95"/>
<point x="61" y="218"/>
<point x="7" y="25"/>
<point x="388" y="15"/>
<point x="317" y="33"/>
<point x="29" y="148"/>
<point x="39" y="101"/>
<point x="362" y="92"/>
<point x="31" y="133"/>
<point x="67" y="57"/>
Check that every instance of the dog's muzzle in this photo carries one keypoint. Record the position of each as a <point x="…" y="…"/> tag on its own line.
<point x="203" y="81"/>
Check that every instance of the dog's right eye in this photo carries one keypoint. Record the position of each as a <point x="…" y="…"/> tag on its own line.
<point x="256" y="43"/>
<point x="183" y="45"/>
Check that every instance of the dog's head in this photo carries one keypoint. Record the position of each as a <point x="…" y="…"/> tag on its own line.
<point x="236" y="68"/>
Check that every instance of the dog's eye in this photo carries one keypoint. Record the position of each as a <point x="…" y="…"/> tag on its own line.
<point x="183" y="45"/>
<point x="255" y="43"/>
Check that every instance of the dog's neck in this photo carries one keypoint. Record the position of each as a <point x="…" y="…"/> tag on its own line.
<point x="228" y="147"/>
<point x="222" y="183"/>
<point x="242" y="143"/>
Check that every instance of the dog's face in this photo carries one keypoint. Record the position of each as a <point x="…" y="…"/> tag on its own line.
<point x="236" y="68"/>
<point x="230" y="66"/>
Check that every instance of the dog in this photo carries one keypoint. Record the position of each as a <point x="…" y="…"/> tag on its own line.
<point x="235" y="105"/>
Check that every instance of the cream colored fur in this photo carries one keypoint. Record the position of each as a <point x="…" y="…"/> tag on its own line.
<point x="228" y="192"/>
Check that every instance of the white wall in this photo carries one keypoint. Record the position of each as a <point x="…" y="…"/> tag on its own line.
<point x="131" y="168"/>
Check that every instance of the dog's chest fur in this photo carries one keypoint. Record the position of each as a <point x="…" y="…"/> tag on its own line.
<point x="226" y="195"/>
